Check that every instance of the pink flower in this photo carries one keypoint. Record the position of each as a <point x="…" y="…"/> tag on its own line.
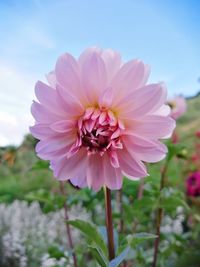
<point x="97" y="120"/>
<point x="193" y="185"/>
<point x="197" y="133"/>
<point x="178" y="107"/>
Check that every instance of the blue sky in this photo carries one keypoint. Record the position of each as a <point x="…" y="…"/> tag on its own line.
<point x="164" y="34"/>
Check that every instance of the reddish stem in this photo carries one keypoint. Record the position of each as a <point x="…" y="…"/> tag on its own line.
<point x="68" y="230"/>
<point x="141" y="188"/>
<point x="109" y="224"/>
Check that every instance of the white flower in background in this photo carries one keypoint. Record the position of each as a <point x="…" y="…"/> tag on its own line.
<point x="26" y="233"/>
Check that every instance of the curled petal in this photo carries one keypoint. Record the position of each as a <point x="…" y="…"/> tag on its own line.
<point x="131" y="167"/>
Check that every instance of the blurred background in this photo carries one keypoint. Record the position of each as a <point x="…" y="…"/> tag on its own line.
<point x="164" y="34"/>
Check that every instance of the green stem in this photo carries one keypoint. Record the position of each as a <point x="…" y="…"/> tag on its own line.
<point x="159" y="216"/>
<point x="109" y="224"/>
<point x="68" y="230"/>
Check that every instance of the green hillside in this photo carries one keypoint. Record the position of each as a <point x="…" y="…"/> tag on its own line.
<point x="189" y="123"/>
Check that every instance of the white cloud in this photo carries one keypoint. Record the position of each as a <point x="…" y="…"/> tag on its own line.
<point x="16" y="94"/>
<point x="13" y="128"/>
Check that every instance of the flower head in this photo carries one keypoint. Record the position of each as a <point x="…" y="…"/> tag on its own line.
<point x="178" y="107"/>
<point x="97" y="120"/>
<point x="193" y="185"/>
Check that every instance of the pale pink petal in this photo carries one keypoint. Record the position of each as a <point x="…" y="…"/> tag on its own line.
<point x="143" y="101"/>
<point x="55" y="143"/>
<point x="106" y="98"/>
<point x="87" y="52"/>
<point x="79" y="181"/>
<point x="68" y="74"/>
<point x="130" y="77"/>
<point x="48" y="97"/>
<point x="95" y="175"/>
<point x="131" y="166"/>
<point x="94" y="77"/>
<point x="51" y="78"/>
<point x="114" y="158"/>
<point x="63" y="126"/>
<point x="71" y="168"/>
<point x="42" y="114"/>
<point x="41" y="131"/>
<point x="152" y="126"/>
<point x="113" y="176"/>
<point x="72" y="105"/>
<point x="164" y="110"/>
<point x="145" y="150"/>
<point x="112" y="62"/>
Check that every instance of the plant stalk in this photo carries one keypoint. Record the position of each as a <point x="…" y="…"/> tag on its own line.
<point x="120" y="206"/>
<point x="109" y="224"/>
<point x="68" y="230"/>
<point x="159" y="216"/>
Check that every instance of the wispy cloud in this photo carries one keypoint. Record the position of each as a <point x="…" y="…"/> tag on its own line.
<point x="16" y="96"/>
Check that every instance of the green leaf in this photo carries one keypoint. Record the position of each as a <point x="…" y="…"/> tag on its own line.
<point x="90" y="232"/>
<point x="135" y="239"/>
<point x="120" y="258"/>
<point x="96" y="253"/>
<point x="172" y="202"/>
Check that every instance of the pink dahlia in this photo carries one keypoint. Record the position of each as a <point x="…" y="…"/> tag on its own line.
<point x="178" y="107"/>
<point x="97" y="120"/>
<point x="193" y="185"/>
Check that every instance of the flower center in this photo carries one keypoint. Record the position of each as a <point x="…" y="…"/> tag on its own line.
<point x="99" y="130"/>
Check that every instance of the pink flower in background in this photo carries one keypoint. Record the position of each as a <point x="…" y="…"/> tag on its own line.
<point x="193" y="185"/>
<point x="178" y="107"/>
<point x="97" y="120"/>
<point x="197" y="133"/>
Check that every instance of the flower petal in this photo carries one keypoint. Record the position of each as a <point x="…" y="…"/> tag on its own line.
<point x="51" y="78"/>
<point x="93" y="76"/>
<point x="48" y="97"/>
<point x="131" y="166"/>
<point x="145" y="150"/>
<point x="63" y="126"/>
<point x="131" y="76"/>
<point x="42" y="114"/>
<point x="152" y="126"/>
<point x="95" y="175"/>
<point x="112" y="62"/>
<point x="41" y="131"/>
<point x="143" y="101"/>
<point x="72" y="105"/>
<point x="68" y="74"/>
<point x="113" y="176"/>
<point x="71" y="168"/>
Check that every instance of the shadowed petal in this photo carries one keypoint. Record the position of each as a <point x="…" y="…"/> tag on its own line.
<point x="95" y="175"/>
<point x="113" y="176"/>
<point x="67" y="168"/>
